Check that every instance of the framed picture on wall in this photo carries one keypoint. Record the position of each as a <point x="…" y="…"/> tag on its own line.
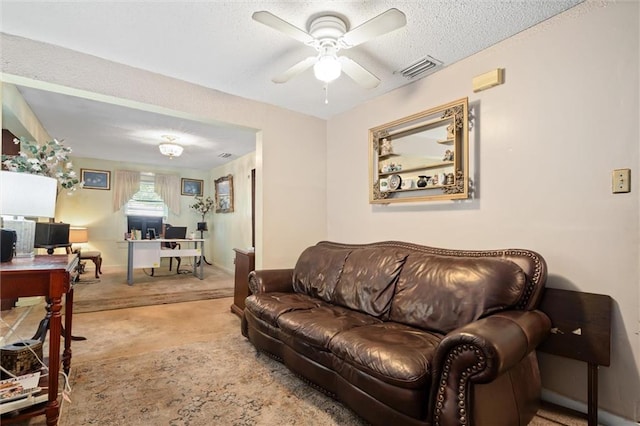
<point x="224" y="194"/>
<point x="96" y="179"/>
<point x="192" y="187"/>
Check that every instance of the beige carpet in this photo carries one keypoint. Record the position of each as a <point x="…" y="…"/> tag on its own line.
<point x="111" y="291"/>
<point x="187" y="364"/>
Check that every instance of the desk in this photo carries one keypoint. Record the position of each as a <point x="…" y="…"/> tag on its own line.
<point x="49" y="276"/>
<point x="148" y="253"/>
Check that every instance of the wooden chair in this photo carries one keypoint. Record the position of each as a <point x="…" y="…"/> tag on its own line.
<point x="95" y="257"/>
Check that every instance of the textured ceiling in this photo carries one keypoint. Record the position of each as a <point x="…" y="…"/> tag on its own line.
<point x="217" y="44"/>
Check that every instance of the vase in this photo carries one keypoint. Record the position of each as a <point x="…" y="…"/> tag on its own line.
<point x="422" y="181"/>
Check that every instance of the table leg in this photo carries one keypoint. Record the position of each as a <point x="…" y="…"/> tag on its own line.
<point x="68" y="318"/>
<point x="592" y="397"/>
<point x="52" y="409"/>
<point x="130" y="264"/>
<point x="201" y="263"/>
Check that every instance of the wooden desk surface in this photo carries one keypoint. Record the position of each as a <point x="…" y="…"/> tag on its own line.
<point x="40" y="262"/>
<point x="33" y="276"/>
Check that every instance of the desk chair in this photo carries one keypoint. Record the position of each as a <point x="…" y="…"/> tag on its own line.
<point x="168" y="245"/>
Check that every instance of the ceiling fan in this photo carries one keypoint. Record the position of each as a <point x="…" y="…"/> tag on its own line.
<point x="328" y="34"/>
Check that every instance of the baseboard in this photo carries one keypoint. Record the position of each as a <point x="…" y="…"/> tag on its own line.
<point x="604" y="417"/>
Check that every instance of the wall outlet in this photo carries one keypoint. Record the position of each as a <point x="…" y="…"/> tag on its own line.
<point x="621" y="181"/>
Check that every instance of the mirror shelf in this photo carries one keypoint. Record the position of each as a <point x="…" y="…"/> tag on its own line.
<point x="422" y="157"/>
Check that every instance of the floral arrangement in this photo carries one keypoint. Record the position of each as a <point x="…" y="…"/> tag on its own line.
<point x="50" y="159"/>
<point x="202" y="205"/>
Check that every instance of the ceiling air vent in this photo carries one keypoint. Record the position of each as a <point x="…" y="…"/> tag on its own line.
<point x="420" y="68"/>
<point x="224" y="155"/>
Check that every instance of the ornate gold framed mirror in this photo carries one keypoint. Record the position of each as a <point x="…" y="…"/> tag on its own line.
<point x="422" y="157"/>
<point x="224" y="194"/>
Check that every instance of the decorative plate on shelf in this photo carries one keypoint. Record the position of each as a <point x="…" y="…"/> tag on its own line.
<point x="384" y="185"/>
<point x="395" y="181"/>
<point x="406" y="184"/>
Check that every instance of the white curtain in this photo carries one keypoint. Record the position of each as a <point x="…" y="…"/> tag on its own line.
<point x="126" y="184"/>
<point x="168" y="187"/>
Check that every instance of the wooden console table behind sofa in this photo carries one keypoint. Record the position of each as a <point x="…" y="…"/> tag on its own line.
<point x="581" y="330"/>
<point x="50" y="276"/>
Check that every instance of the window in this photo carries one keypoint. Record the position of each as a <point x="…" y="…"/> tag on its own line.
<point x="146" y="202"/>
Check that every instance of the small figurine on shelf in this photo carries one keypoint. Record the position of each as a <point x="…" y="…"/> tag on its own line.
<point x="448" y="155"/>
<point x="450" y="179"/>
<point x="386" y="148"/>
<point x="450" y="131"/>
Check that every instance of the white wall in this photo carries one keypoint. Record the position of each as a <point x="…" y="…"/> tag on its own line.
<point x="232" y="230"/>
<point x="543" y="148"/>
<point x="290" y="147"/>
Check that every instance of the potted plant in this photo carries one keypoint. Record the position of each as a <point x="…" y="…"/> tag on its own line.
<point x="203" y="206"/>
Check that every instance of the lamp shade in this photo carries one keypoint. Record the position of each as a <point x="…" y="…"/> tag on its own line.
<point x="24" y="194"/>
<point x="78" y="234"/>
<point x="327" y="69"/>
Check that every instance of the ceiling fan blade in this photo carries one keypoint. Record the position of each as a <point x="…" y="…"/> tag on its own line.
<point x="271" y="20"/>
<point x="298" y="68"/>
<point x="384" y="23"/>
<point x="358" y="74"/>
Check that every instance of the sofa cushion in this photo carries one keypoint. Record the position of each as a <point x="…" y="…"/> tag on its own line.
<point x="368" y="280"/>
<point x="443" y="293"/>
<point x="317" y="271"/>
<point x="317" y="326"/>
<point x="269" y="306"/>
<point x="394" y="353"/>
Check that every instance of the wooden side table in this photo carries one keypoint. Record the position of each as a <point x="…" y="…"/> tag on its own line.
<point x="581" y="330"/>
<point x="245" y="263"/>
<point x="50" y="276"/>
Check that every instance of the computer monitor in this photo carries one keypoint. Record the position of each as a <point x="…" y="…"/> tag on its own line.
<point x="175" y="233"/>
<point x="144" y="223"/>
<point x="51" y="234"/>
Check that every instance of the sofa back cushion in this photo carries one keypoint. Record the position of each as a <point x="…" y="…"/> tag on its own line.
<point x="368" y="280"/>
<point x="442" y="293"/>
<point x="317" y="271"/>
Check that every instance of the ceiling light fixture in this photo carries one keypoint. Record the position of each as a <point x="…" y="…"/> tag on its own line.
<point x="170" y="148"/>
<point x="328" y="67"/>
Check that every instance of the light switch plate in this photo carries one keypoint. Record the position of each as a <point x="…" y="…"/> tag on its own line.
<point x="621" y="181"/>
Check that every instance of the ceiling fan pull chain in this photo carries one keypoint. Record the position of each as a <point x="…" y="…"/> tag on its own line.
<point x="326" y="93"/>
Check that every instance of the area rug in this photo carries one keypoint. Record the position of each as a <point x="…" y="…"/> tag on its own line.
<point x="111" y="290"/>
<point x="222" y="382"/>
<point x="186" y="364"/>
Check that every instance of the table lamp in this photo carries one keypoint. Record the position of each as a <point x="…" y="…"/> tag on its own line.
<point x="25" y="195"/>
<point x="78" y="235"/>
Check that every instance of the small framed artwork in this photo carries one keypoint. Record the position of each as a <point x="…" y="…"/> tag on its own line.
<point x="96" y="179"/>
<point x="192" y="186"/>
<point x="224" y="194"/>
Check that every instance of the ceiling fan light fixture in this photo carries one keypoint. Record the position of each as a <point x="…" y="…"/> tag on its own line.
<point x="327" y="68"/>
<point x="170" y="148"/>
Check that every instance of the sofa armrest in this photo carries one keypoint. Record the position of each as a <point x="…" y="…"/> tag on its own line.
<point x="479" y="352"/>
<point x="271" y="280"/>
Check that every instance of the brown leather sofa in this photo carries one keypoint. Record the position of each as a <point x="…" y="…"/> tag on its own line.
<point x="406" y="334"/>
